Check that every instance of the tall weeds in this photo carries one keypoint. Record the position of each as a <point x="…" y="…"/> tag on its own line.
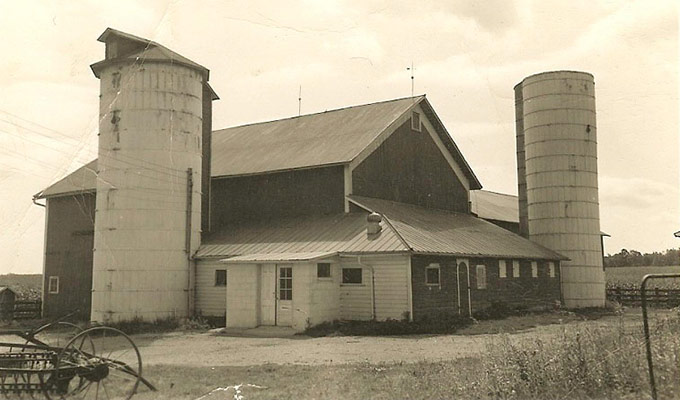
<point x="586" y="363"/>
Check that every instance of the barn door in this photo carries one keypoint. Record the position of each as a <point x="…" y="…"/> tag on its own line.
<point x="268" y="295"/>
<point x="463" y="280"/>
<point x="284" y="298"/>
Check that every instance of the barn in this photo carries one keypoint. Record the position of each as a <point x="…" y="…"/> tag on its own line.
<point x="364" y="212"/>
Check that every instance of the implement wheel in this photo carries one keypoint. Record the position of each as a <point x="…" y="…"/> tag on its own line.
<point x="98" y="363"/>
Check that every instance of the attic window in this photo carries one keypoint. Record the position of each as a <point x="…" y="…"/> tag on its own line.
<point x="415" y="121"/>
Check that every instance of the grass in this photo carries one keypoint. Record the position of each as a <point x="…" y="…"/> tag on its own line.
<point x="632" y="277"/>
<point x="594" y="363"/>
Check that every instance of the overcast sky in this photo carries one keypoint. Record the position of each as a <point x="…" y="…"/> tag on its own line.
<point x="468" y="55"/>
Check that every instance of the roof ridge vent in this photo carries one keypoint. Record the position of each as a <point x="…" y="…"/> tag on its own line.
<point x="373" y="221"/>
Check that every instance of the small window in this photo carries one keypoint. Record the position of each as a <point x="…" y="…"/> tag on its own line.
<point x="351" y="275"/>
<point x="286" y="283"/>
<point x="323" y="270"/>
<point x="415" y="121"/>
<point x="53" y="285"/>
<point x="515" y="269"/>
<point x="220" y="277"/>
<point x="432" y="274"/>
<point x="551" y="269"/>
<point x="481" y="277"/>
<point x="502" y="269"/>
<point x="534" y="269"/>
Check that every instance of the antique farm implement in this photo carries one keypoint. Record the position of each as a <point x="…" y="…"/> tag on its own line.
<point x="59" y="360"/>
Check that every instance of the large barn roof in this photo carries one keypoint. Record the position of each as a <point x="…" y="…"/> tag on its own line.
<point x="334" y="137"/>
<point x="405" y="228"/>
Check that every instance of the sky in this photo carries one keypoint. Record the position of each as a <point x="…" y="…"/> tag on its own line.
<point x="468" y="56"/>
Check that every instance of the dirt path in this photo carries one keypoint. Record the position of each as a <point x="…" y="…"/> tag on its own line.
<point x="206" y="349"/>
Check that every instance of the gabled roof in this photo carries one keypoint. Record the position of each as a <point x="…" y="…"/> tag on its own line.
<point x="345" y="233"/>
<point x="431" y="231"/>
<point x="143" y="49"/>
<point x="333" y="137"/>
<point x="84" y="179"/>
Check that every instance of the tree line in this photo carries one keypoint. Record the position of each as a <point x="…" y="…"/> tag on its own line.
<point x="633" y="258"/>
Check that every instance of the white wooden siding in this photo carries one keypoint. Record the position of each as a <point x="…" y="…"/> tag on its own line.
<point x="211" y="300"/>
<point x="391" y="289"/>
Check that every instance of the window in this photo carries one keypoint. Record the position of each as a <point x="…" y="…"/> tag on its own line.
<point x="515" y="268"/>
<point x="551" y="269"/>
<point x="481" y="277"/>
<point x="415" y="121"/>
<point x="286" y="283"/>
<point x="323" y="270"/>
<point x="351" y="275"/>
<point x="53" y="285"/>
<point x="502" y="269"/>
<point x="432" y="274"/>
<point x="534" y="269"/>
<point x="220" y="277"/>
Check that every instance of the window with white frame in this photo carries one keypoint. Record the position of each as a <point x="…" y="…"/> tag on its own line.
<point x="481" y="276"/>
<point x="432" y="276"/>
<point x="323" y="270"/>
<point x="551" y="269"/>
<point x="415" y="121"/>
<point x="515" y="268"/>
<point x="53" y="285"/>
<point x="534" y="269"/>
<point x="502" y="269"/>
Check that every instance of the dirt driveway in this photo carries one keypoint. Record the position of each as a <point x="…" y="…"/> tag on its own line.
<point x="210" y="349"/>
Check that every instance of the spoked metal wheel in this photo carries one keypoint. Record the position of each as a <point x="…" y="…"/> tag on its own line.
<point x="99" y="363"/>
<point x="56" y="334"/>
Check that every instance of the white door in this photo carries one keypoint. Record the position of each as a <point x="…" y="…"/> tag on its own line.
<point x="268" y="295"/>
<point x="284" y="298"/>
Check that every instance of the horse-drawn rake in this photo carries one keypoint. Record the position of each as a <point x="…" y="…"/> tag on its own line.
<point x="96" y="363"/>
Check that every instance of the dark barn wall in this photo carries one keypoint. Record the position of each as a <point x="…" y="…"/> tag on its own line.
<point x="409" y="168"/>
<point x="306" y="192"/>
<point x="510" y="226"/>
<point x="68" y="254"/>
<point x="522" y="291"/>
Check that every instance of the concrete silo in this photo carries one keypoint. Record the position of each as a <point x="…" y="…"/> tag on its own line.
<point x="561" y="210"/>
<point x="148" y="216"/>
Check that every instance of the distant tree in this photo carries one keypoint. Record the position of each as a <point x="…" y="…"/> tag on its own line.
<point x="630" y="258"/>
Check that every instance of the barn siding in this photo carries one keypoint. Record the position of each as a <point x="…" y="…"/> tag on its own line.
<point x="308" y="192"/>
<point x="69" y="240"/>
<point x="242" y="295"/>
<point x="391" y="289"/>
<point x="409" y="168"/>
<point x="211" y="300"/>
<point x="522" y="291"/>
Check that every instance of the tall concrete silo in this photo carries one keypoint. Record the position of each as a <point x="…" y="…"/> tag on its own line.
<point x="148" y="216"/>
<point x="559" y="135"/>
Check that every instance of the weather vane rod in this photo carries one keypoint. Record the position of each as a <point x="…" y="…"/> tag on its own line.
<point x="300" y="101"/>
<point x="412" y="69"/>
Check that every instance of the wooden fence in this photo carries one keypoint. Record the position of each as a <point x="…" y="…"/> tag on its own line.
<point x="27" y="309"/>
<point x="655" y="297"/>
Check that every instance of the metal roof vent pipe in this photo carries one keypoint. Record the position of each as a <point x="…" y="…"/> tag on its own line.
<point x="373" y="221"/>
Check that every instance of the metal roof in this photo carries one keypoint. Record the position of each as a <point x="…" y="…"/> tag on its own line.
<point x="345" y="233"/>
<point x="147" y="50"/>
<point x="493" y="205"/>
<point x="329" y="138"/>
<point x="84" y="179"/>
<point x="255" y="258"/>
<point x="442" y="232"/>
